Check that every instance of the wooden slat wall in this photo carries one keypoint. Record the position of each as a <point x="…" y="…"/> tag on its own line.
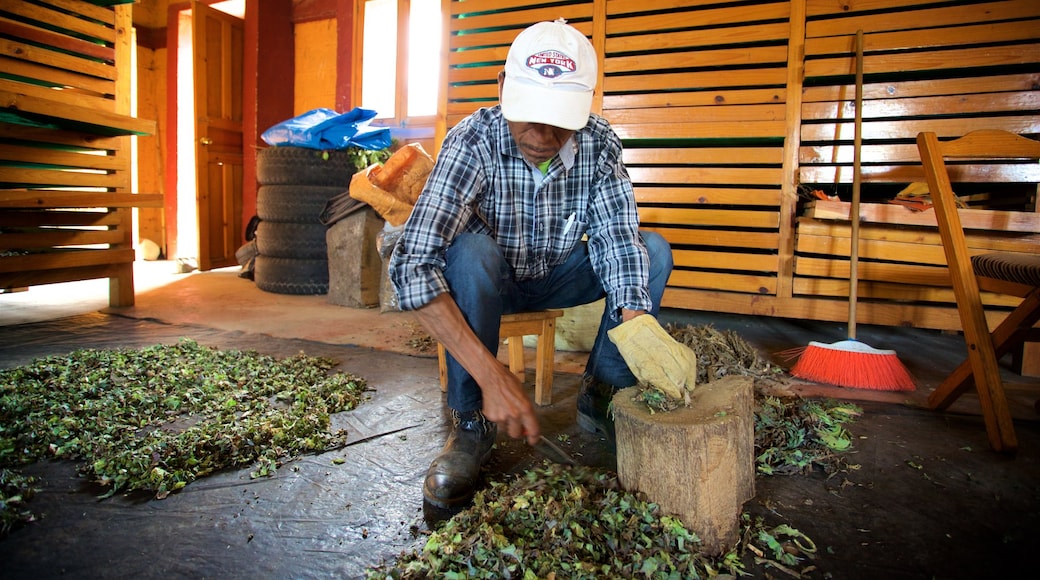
<point x="698" y="94"/>
<point x="949" y="68"/>
<point x="65" y="179"/>
<point x="729" y="110"/>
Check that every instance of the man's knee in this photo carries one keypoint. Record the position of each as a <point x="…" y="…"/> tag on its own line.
<point x="659" y="250"/>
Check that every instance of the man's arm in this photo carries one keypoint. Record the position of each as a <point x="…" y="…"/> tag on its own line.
<point x="505" y="401"/>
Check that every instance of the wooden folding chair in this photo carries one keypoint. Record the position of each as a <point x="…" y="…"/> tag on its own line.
<point x="1011" y="273"/>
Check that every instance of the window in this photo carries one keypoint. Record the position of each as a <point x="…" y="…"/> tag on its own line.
<point x="400" y="60"/>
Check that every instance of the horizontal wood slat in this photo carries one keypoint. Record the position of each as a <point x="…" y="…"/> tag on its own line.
<point x="68" y="17"/>
<point x="709" y="217"/>
<point x="58" y="238"/>
<point x="744" y="283"/>
<point x="708" y="195"/>
<point x="716" y="238"/>
<point x="63" y="259"/>
<point x="19" y="99"/>
<point x="935" y="17"/>
<point x="975" y="219"/>
<point x="87" y="199"/>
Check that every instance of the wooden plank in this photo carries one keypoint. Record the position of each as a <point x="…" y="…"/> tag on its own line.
<point x="59" y="19"/>
<point x="707" y="18"/>
<point x="18" y="100"/>
<point x="908" y="129"/>
<point x="960" y="57"/>
<point x="989" y="240"/>
<point x="922" y="38"/>
<point x="708" y="195"/>
<point x="60" y="78"/>
<point x="74" y="139"/>
<point x="872" y="249"/>
<point x="50" y="156"/>
<point x="63" y="42"/>
<point x="715" y="238"/>
<point x="619" y="7"/>
<point x="720" y="113"/>
<point x="22" y="218"/>
<point x="26" y="52"/>
<point x="706" y="175"/>
<point x="86" y="9"/>
<point x="925" y="88"/>
<point x="705" y="130"/>
<point x="883" y="314"/>
<point x="696" y="99"/>
<point x="63" y="259"/>
<point x="703" y="58"/>
<point x="54" y="276"/>
<point x="703" y="155"/>
<point x="487" y="56"/>
<point x="963" y="104"/>
<point x="709" y="217"/>
<point x="873" y="271"/>
<point x="700" y="81"/>
<point x="521" y="18"/>
<point x="81" y="178"/>
<point x="56" y="238"/>
<point x="756" y="33"/>
<point x="66" y="199"/>
<point x="732" y="261"/>
<point x="843" y="154"/>
<point x="488" y="74"/>
<point x="896" y="292"/>
<point x="976" y="219"/>
<point x="934" y="17"/>
<point x="746" y="283"/>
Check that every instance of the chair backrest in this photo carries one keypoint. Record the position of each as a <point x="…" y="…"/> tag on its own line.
<point x="992" y="146"/>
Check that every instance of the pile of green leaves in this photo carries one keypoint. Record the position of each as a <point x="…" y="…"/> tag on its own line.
<point x="15" y="490"/>
<point x="362" y="158"/>
<point x="157" y="418"/>
<point x="577" y="522"/>
<point x="795" y="435"/>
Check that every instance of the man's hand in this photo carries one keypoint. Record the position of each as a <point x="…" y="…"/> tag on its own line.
<point x="655" y="357"/>
<point x="505" y="401"/>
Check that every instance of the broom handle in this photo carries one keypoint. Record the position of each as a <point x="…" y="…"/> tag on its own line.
<point x="854" y="209"/>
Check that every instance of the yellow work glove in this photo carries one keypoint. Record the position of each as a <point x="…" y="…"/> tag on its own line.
<point x="654" y="357"/>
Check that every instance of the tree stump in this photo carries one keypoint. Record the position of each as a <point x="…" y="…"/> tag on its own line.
<point x="695" y="462"/>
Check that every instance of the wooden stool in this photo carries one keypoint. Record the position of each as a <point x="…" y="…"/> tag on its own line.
<point x="514" y="327"/>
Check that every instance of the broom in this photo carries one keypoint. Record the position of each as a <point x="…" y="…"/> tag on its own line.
<point x="850" y="363"/>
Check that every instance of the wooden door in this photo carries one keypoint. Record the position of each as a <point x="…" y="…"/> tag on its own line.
<point x="218" y="45"/>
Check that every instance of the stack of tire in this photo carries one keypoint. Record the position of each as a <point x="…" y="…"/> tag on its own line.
<point x="295" y="183"/>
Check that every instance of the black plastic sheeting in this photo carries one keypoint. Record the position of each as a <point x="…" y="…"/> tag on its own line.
<point x="928" y="499"/>
<point x="313" y="519"/>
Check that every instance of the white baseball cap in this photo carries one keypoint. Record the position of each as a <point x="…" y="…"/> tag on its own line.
<point x="550" y="76"/>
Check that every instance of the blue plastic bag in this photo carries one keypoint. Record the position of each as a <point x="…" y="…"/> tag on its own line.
<point x="327" y="129"/>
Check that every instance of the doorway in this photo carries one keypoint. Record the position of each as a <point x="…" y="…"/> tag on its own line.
<point x="207" y="106"/>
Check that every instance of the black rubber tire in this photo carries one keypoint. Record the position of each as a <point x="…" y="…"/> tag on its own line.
<point x="291" y="276"/>
<point x="291" y="240"/>
<point x="289" y="165"/>
<point x="294" y="203"/>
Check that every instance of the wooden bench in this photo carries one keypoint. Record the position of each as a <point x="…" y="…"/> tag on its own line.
<point x="515" y="327"/>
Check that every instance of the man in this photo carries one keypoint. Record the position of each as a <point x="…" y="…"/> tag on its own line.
<point x="499" y="229"/>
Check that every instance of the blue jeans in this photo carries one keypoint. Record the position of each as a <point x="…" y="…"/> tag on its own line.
<point x="482" y="285"/>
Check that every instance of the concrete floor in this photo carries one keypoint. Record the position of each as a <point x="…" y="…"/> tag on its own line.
<point x="929" y="499"/>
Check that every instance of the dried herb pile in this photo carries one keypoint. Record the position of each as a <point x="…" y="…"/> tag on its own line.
<point x="577" y="522"/>
<point x="157" y="418"/>
<point x="794" y="436"/>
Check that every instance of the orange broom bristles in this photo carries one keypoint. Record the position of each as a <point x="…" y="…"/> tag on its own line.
<point x="850" y="363"/>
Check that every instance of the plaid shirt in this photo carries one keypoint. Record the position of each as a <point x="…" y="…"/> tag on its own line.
<point x="481" y="183"/>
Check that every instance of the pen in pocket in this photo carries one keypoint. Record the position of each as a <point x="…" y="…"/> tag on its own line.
<point x="567" y="226"/>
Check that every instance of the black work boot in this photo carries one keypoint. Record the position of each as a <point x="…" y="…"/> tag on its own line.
<point x="452" y="477"/>
<point x="594" y="413"/>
